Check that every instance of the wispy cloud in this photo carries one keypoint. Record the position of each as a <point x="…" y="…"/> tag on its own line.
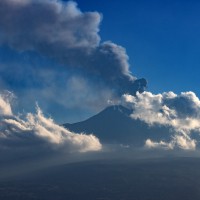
<point x="38" y="133"/>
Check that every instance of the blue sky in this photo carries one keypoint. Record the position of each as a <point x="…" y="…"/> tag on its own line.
<point x="161" y="39"/>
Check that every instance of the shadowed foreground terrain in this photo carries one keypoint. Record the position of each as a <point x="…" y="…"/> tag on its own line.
<point x="153" y="179"/>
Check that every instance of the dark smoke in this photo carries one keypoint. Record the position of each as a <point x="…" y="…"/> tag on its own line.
<point x="62" y="32"/>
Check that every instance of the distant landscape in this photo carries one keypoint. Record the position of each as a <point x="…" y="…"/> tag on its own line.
<point x="145" y="179"/>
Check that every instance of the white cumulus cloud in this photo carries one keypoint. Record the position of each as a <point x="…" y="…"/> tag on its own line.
<point x="180" y="112"/>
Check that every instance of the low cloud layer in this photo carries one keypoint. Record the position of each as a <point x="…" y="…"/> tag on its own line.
<point x="60" y="31"/>
<point x="38" y="133"/>
<point x="181" y="113"/>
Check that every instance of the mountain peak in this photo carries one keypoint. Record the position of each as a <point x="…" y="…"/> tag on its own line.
<point x="118" y="108"/>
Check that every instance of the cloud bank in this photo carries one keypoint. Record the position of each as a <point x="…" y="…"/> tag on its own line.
<point x="38" y="133"/>
<point x="181" y="113"/>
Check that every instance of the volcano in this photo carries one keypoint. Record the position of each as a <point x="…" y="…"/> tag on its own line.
<point x="114" y="125"/>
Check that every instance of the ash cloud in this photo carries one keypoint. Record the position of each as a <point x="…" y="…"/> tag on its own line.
<point x="181" y="113"/>
<point x="61" y="31"/>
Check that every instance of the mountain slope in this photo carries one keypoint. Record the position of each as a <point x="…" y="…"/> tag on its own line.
<point x="114" y="125"/>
